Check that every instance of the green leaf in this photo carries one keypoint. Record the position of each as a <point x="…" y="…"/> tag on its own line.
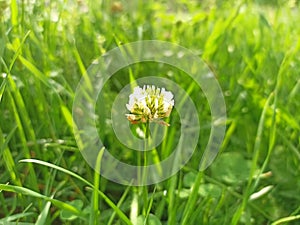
<point x="211" y="190"/>
<point x="189" y="179"/>
<point x="67" y="215"/>
<point x="152" y="220"/>
<point x="231" y="168"/>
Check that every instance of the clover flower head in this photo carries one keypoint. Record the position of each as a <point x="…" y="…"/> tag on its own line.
<point x="149" y="104"/>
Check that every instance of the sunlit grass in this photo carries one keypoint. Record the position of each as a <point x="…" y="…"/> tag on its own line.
<point x="252" y="47"/>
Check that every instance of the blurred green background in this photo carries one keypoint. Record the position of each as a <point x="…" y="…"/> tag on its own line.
<point x="253" y="48"/>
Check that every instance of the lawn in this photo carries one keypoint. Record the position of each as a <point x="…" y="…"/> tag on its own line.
<point x="67" y="69"/>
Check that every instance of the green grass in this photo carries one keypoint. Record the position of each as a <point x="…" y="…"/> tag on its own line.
<point x="253" y="48"/>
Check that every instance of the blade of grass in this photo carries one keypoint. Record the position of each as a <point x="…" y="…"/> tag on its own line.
<point x="219" y="29"/>
<point x="256" y="149"/>
<point x="272" y="138"/>
<point x="235" y="194"/>
<point x="67" y="115"/>
<point x="35" y="71"/>
<point x="29" y="192"/>
<point x="229" y="133"/>
<point x="15" y="217"/>
<point x="132" y="79"/>
<point x="236" y="217"/>
<point x="16" y="223"/>
<point x="82" y="69"/>
<point x="39" y="75"/>
<point x="149" y="207"/>
<point x="171" y="200"/>
<point x="14" y="12"/>
<point x="17" y="49"/>
<point x="106" y="199"/>
<point x="32" y="176"/>
<point x="286" y="220"/>
<point x="172" y="189"/>
<point x="290" y="145"/>
<point x="11" y="167"/>
<point x="95" y="198"/>
<point x="6" y="140"/>
<point x="190" y="205"/>
<point x="41" y="220"/>
<point x="20" y="113"/>
<point x="123" y="197"/>
<point x="2" y="88"/>
<point x="134" y="207"/>
<point x="294" y="92"/>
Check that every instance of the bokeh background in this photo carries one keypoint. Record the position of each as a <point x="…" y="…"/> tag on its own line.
<point x="252" y="47"/>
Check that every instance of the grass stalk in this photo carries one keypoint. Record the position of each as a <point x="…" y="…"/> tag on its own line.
<point x="257" y="144"/>
<point x="105" y="198"/>
<point x="190" y="205"/>
<point x="95" y="214"/>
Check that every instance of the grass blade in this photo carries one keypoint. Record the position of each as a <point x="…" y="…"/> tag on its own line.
<point x="43" y="216"/>
<point x="2" y="88"/>
<point x="67" y="115"/>
<point x="255" y="157"/>
<point x="106" y="199"/>
<point x="35" y="71"/>
<point x="14" y="12"/>
<point x="16" y="223"/>
<point x="82" y="69"/>
<point x="7" y="156"/>
<point x="15" y="217"/>
<point x="29" y="192"/>
<point x="95" y="198"/>
<point x="6" y="140"/>
<point x="111" y="219"/>
<point x="22" y="136"/>
<point x="171" y="196"/>
<point x="286" y="219"/>
<point x="190" y="206"/>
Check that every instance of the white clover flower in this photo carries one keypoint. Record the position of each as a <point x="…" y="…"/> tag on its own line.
<point x="149" y="104"/>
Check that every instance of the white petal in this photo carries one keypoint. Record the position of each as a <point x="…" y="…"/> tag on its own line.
<point x="168" y="96"/>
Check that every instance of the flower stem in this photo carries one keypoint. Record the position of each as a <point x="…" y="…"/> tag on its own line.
<point x="145" y="169"/>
